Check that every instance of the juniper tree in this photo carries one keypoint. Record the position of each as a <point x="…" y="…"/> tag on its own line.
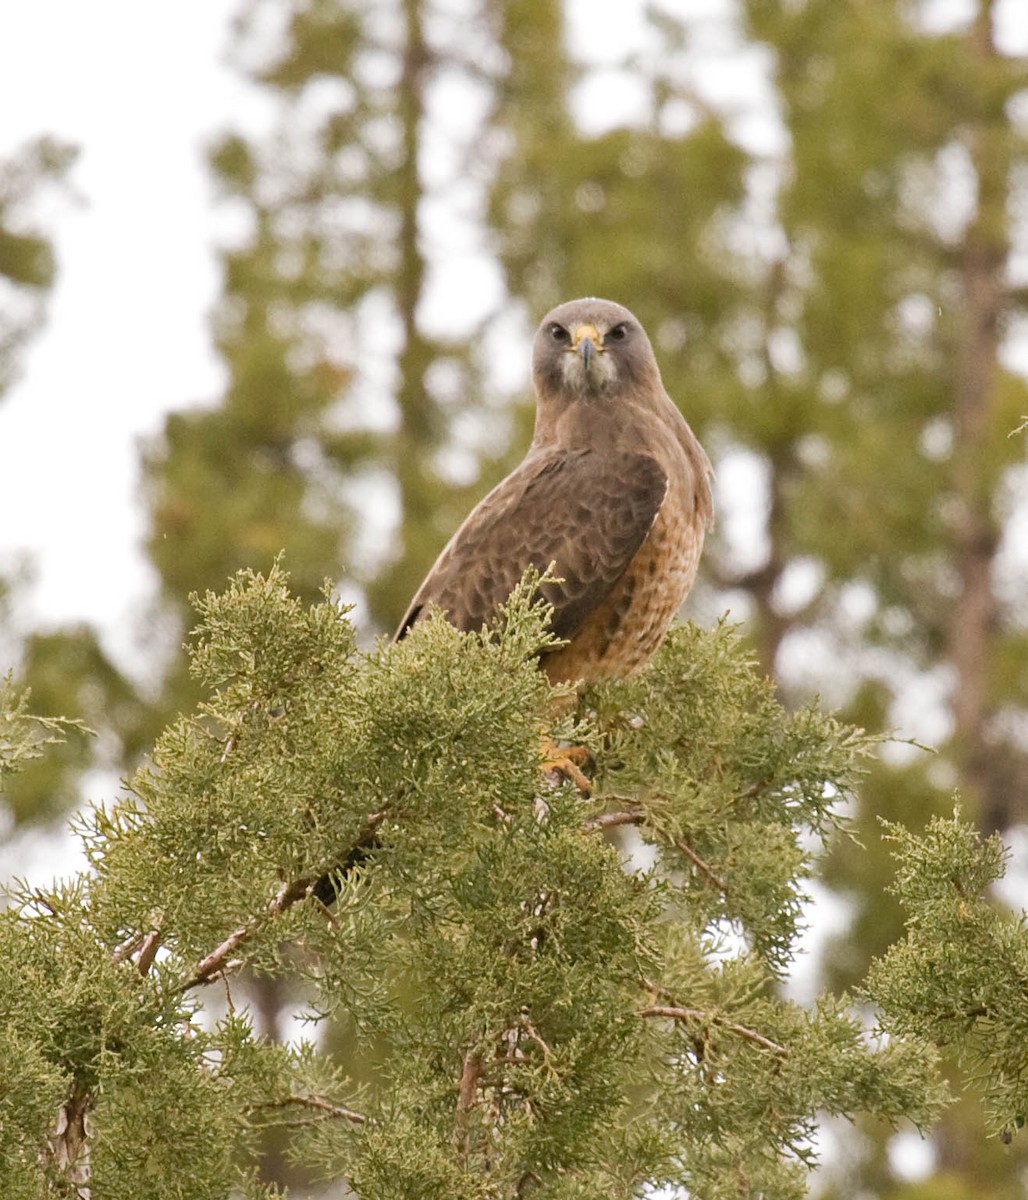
<point x="553" y="1016"/>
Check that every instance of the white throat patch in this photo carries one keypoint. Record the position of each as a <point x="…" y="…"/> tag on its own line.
<point x="599" y="377"/>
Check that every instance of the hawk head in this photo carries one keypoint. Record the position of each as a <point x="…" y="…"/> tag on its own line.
<point x="592" y="349"/>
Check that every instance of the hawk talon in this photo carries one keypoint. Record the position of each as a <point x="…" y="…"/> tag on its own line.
<point x="568" y="761"/>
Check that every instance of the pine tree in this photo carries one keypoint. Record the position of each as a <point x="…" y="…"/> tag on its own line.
<point x="639" y="214"/>
<point x="904" y="170"/>
<point x="896" y="487"/>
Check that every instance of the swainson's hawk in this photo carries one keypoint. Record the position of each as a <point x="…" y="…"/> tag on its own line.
<point x="614" y="491"/>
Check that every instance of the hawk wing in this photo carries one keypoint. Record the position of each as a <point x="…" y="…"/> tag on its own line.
<point x="585" y="512"/>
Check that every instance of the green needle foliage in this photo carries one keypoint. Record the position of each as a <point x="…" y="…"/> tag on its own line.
<point x="961" y="975"/>
<point x="24" y="735"/>
<point x="552" y="1017"/>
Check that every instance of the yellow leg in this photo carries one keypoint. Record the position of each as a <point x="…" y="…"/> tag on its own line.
<point x="568" y="761"/>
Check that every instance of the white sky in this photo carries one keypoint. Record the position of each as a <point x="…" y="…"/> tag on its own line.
<point x="137" y="87"/>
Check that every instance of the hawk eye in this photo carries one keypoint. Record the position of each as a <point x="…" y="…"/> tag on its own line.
<point x="618" y="333"/>
<point x="559" y="333"/>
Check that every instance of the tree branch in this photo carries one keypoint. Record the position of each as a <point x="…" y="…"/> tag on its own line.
<point x="68" y="1147"/>
<point x="708" y="1018"/>
<point x="146" y="943"/>
<point x="471" y="1069"/>
<point x="678" y="1013"/>
<point x="700" y="865"/>
<point x="148" y="951"/>
<point x="325" y="1108"/>
<point x="608" y="820"/>
<point x="214" y="963"/>
<point x="287" y="895"/>
<point x="128" y="947"/>
<point x="635" y="816"/>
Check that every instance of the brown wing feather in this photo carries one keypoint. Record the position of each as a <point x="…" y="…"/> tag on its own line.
<point x="586" y="512"/>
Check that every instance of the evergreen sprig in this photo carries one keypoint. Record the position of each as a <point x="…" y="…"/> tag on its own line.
<point x="24" y="735"/>
<point x="960" y="976"/>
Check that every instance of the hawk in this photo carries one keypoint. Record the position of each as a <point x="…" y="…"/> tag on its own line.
<point x="614" y="494"/>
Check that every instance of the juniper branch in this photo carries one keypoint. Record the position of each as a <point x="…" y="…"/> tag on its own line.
<point x="609" y="820"/>
<point x="325" y="1108"/>
<point x="679" y="1013"/>
<point x="471" y="1069"/>
<point x="633" y="815"/>
<point x="682" y="845"/>
<point x="148" y="951"/>
<point x="212" y="964"/>
<point x="288" y="894"/>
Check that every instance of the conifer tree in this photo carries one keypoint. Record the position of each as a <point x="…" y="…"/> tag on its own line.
<point x="905" y="161"/>
<point x="958" y="976"/>
<point x="27" y="261"/>
<point x="341" y="400"/>
<point x="584" y="1025"/>
<point x="859" y="362"/>
<point x="898" y="486"/>
<point x="66" y="669"/>
<point x="643" y="213"/>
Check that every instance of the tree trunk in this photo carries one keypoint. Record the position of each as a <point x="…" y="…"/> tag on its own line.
<point x="973" y="616"/>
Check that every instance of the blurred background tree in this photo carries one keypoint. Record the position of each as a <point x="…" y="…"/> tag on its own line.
<point x="27" y="263"/>
<point x="835" y="292"/>
<point x="66" y="669"/>
<point x="899" y="483"/>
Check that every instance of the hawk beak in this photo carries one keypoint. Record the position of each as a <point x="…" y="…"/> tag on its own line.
<point x="587" y="340"/>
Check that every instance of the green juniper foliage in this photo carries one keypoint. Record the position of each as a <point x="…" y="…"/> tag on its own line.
<point x="960" y="977"/>
<point x="24" y="736"/>
<point x="552" y="1017"/>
